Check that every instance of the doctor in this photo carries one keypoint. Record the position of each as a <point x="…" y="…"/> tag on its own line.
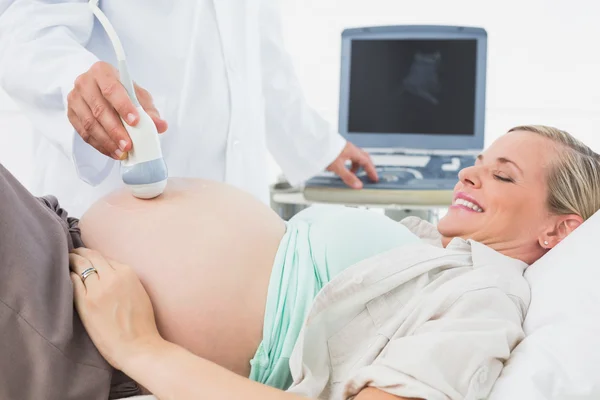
<point x="213" y="74"/>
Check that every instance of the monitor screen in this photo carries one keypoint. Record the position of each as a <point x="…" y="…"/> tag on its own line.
<point x="412" y="86"/>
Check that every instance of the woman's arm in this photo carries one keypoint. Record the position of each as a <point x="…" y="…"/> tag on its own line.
<point x="176" y="373"/>
<point x="171" y="372"/>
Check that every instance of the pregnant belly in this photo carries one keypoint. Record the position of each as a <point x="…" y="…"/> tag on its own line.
<point x="204" y="252"/>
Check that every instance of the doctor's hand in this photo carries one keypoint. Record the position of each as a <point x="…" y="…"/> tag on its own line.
<point x="95" y="104"/>
<point x="359" y="158"/>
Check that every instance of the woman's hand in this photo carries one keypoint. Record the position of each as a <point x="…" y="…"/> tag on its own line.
<point x="114" y="307"/>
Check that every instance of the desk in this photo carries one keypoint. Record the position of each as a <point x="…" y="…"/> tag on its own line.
<point x="288" y="201"/>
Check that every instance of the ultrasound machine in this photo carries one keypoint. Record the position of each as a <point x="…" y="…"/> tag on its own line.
<point x="413" y="97"/>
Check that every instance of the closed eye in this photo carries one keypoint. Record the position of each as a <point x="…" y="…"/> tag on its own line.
<point x="503" y="179"/>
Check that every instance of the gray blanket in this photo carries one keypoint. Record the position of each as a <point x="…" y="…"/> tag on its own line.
<point x="45" y="352"/>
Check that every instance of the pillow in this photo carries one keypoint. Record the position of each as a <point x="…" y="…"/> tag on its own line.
<point x="559" y="358"/>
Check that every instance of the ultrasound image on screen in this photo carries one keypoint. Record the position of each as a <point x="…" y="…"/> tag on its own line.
<point x="413" y="86"/>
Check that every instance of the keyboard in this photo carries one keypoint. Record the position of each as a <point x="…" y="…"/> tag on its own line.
<point x="428" y="181"/>
<point x="438" y="173"/>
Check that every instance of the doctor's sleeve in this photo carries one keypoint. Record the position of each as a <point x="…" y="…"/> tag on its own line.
<point x="41" y="54"/>
<point x="457" y="355"/>
<point x="301" y="141"/>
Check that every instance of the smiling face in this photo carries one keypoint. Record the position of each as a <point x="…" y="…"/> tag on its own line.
<point x="502" y="200"/>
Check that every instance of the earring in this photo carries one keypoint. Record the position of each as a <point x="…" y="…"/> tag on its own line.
<point x="545" y="243"/>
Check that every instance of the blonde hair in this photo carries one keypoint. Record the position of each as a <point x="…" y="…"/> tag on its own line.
<point x="574" y="179"/>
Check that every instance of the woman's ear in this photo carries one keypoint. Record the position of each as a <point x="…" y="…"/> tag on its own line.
<point x="562" y="226"/>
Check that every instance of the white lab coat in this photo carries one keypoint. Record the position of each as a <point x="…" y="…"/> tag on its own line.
<point x="217" y="70"/>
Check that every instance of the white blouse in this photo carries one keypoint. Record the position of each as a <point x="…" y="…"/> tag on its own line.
<point x="418" y="321"/>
